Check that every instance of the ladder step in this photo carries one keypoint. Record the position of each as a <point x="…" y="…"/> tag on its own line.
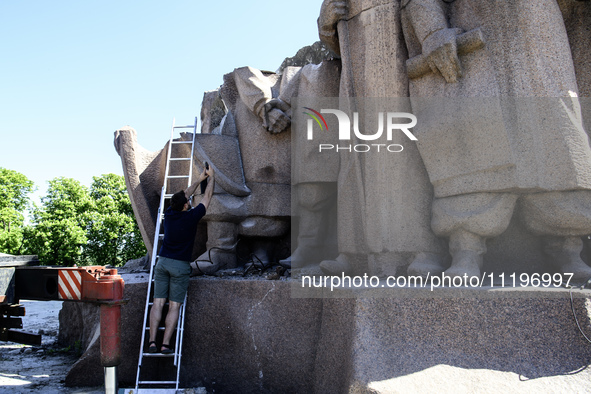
<point x="192" y="126"/>
<point x="157" y="382"/>
<point x="151" y="303"/>
<point x="158" y="355"/>
<point x="159" y="329"/>
<point x="176" y="176"/>
<point x="180" y="158"/>
<point x="181" y="142"/>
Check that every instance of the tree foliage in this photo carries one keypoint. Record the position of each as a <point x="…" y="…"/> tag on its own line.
<point x="113" y="234"/>
<point x="80" y="226"/>
<point x="14" y="200"/>
<point x="59" y="228"/>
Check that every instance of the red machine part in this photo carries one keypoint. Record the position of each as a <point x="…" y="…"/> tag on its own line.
<point x="105" y="287"/>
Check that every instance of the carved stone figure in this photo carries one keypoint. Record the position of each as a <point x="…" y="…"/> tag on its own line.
<point x="383" y="198"/>
<point x="314" y="175"/>
<point x="502" y="132"/>
<point x="260" y="123"/>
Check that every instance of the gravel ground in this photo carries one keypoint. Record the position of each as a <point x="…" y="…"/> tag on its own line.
<point x="38" y="369"/>
<point x="43" y="369"/>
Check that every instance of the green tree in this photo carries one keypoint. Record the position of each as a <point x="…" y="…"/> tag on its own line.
<point x="113" y="234"/>
<point x="80" y="226"/>
<point x="14" y="200"/>
<point x="58" y="235"/>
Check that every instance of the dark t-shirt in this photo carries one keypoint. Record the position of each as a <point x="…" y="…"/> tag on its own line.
<point x="180" y="228"/>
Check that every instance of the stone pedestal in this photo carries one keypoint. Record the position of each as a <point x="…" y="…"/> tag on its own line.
<point x="251" y="336"/>
<point x="461" y="341"/>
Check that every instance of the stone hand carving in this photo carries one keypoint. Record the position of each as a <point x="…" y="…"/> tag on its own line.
<point x="441" y="51"/>
<point x="276" y="119"/>
<point x="331" y="12"/>
<point x="438" y="41"/>
<point x="465" y="43"/>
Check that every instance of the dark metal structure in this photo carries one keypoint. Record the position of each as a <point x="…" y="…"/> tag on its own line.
<point x="96" y="284"/>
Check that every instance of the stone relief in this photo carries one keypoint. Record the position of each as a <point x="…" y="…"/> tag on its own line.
<point x="499" y="179"/>
<point x="486" y="162"/>
<point x="518" y="155"/>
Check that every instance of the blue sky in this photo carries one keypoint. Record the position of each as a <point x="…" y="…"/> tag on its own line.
<point x="72" y="72"/>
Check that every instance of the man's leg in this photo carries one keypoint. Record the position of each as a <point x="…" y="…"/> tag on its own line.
<point x="179" y="283"/>
<point x="170" y="323"/>
<point x="155" y="317"/>
<point x="161" y="279"/>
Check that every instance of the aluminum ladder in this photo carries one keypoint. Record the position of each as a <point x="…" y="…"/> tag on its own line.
<point x="171" y="174"/>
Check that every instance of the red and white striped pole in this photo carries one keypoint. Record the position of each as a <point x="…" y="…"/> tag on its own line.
<point x="104" y="287"/>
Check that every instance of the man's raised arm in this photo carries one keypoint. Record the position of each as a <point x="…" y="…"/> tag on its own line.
<point x="209" y="190"/>
<point x="191" y="189"/>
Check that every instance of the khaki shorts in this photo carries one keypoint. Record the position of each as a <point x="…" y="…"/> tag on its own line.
<point x="171" y="279"/>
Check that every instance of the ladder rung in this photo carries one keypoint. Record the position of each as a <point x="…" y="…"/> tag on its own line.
<point x="158" y="355"/>
<point x="157" y="382"/>
<point x="151" y="303"/>
<point x="181" y="142"/>
<point x="159" y="329"/>
<point x="168" y="196"/>
<point x="176" y="176"/>
<point x="180" y="158"/>
<point x="192" y="126"/>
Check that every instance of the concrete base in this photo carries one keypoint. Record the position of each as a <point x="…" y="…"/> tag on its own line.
<point x="251" y="336"/>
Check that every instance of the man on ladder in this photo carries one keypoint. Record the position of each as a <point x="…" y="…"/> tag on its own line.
<point x="171" y="278"/>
